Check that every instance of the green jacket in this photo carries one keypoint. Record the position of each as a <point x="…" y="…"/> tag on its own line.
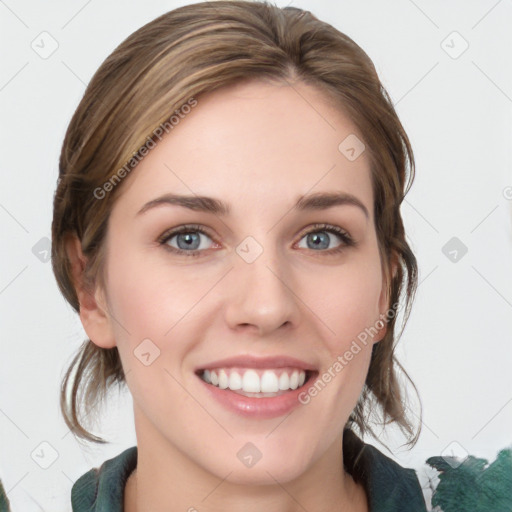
<point x="389" y="486"/>
<point x="4" y="502"/>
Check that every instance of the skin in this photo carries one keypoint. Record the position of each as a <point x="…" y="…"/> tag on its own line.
<point x="258" y="147"/>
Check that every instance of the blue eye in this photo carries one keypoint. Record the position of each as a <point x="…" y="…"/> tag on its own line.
<point x="188" y="240"/>
<point x="321" y="235"/>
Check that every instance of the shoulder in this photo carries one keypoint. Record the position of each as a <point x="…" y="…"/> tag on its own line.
<point x="103" y="488"/>
<point x="388" y="485"/>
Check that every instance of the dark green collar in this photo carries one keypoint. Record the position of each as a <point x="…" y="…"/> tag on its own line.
<point x="4" y="502"/>
<point x="389" y="486"/>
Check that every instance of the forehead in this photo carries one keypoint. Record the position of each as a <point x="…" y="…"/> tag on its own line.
<point x="256" y="143"/>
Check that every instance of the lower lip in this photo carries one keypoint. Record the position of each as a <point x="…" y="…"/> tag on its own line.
<point x="267" y="407"/>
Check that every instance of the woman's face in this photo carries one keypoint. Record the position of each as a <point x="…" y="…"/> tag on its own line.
<point x="259" y="280"/>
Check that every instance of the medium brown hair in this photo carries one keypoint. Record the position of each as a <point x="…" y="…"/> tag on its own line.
<point x="197" y="49"/>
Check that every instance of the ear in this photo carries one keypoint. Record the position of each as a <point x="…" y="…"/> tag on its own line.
<point x="93" y="307"/>
<point x="384" y="299"/>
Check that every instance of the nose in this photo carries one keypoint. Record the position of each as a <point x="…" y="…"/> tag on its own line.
<point x="260" y="296"/>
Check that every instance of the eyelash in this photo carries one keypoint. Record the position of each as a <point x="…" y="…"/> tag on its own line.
<point x="347" y="240"/>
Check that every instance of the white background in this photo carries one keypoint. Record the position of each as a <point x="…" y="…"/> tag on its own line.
<point x="457" y="111"/>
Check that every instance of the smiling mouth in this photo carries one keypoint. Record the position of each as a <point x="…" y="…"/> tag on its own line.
<point x="257" y="383"/>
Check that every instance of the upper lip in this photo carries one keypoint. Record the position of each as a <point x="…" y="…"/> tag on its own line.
<point x="248" y="361"/>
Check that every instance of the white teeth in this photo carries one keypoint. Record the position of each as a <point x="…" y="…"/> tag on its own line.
<point x="223" y="380"/>
<point x="284" y="381"/>
<point x="269" y="383"/>
<point x="294" y="380"/>
<point x="251" y="382"/>
<point x="235" y="381"/>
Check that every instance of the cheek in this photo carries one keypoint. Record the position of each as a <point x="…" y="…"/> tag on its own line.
<point x="148" y="298"/>
<point x="149" y="303"/>
<point x="346" y="298"/>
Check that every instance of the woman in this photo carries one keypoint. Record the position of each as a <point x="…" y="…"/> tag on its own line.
<point x="227" y="225"/>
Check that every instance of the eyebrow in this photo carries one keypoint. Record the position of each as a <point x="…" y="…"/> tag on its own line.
<point x="318" y="201"/>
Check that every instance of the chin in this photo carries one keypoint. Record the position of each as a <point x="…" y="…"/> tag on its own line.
<point x="251" y="467"/>
<point x="264" y="475"/>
